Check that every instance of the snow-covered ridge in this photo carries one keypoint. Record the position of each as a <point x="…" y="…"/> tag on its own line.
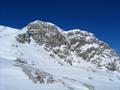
<point x="42" y="22"/>
<point x="43" y="56"/>
<point x="7" y="30"/>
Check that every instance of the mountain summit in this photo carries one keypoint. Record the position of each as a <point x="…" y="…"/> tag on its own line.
<point x="46" y="57"/>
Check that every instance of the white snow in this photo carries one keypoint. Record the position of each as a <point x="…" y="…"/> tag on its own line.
<point x="88" y="46"/>
<point x="82" y="76"/>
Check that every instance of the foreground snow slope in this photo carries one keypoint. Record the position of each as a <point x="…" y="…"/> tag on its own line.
<point x="30" y="66"/>
<point x="13" y="78"/>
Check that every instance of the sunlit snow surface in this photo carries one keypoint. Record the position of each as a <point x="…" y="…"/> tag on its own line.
<point x="83" y="76"/>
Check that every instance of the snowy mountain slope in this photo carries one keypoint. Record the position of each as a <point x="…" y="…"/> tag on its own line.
<point x="13" y="78"/>
<point x="7" y="35"/>
<point x="44" y="57"/>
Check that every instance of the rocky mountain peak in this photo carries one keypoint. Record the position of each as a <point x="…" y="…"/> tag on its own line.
<point x="43" y="56"/>
<point x="46" y="25"/>
<point x="67" y="44"/>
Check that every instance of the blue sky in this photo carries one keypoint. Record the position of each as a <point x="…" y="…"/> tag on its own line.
<point x="101" y="17"/>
